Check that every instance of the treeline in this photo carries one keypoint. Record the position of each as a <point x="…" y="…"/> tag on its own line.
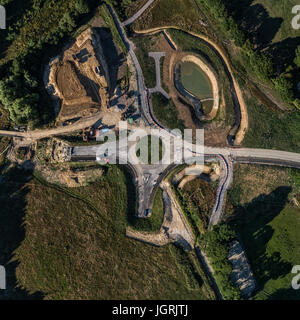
<point x="41" y="28"/>
<point x="257" y="62"/>
<point x="215" y="244"/>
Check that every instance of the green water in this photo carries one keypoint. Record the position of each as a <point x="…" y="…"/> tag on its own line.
<point x="195" y="80"/>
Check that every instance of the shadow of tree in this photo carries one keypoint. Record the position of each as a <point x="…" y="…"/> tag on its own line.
<point x="284" y="52"/>
<point x="13" y="193"/>
<point x="255" y="20"/>
<point x="114" y="57"/>
<point x="285" y="294"/>
<point x="251" y="222"/>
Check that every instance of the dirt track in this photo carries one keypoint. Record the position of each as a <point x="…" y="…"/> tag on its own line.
<point x="39" y="134"/>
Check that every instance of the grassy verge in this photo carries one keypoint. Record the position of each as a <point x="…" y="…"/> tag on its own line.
<point x="152" y="224"/>
<point x="144" y="45"/>
<point x="179" y="13"/>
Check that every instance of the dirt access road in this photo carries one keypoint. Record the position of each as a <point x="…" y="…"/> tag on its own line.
<point x="40" y="134"/>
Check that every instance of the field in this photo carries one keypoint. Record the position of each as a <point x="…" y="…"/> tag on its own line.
<point x="183" y="14"/>
<point x="269" y="127"/>
<point x="267" y="219"/>
<point x="145" y="45"/>
<point x="63" y="243"/>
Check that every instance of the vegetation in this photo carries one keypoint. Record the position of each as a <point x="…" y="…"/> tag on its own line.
<point x="269" y="128"/>
<point x="165" y="111"/>
<point x="126" y="8"/>
<point x="4" y="141"/>
<point x="215" y="243"/>
<point x="183" y="14"/>
<point x="266" y="217"/>
<point x="190" y="43"/>
<point x="61" y="249"/>
<point x="144" y="45"/>
<point x="110" y="23"/>
<point x="244" y="25"/>
<point x="39" y="29"/>
<point x="154" y="223"/>
<point x="197" y="199"/>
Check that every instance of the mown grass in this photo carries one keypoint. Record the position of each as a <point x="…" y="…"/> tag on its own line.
<point x="267" y="219"/>
<point x="75" y="247"/>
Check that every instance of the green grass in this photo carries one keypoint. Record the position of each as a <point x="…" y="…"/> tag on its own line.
<point x="4" y="141"/>
<point x="179" y="13"/>
<point x="66" y="244"/>
<point x="271" y="129"/>
<point x="154" y="223"/>
<point x="267" y="221"/>
<point x="276" y="9"/>
<point x="126" y="8"/>
<point x="165" y="112"/>
<point x="144" y="45"/>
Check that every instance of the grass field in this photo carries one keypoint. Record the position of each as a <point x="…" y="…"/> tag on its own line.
<point x="267" y="221"/>
<point x="178" y="13"/>
<point x="62" y="243"/>
<point x="269" y="127"/>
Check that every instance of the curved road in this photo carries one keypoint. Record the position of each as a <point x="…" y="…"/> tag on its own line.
<point x="138" y="14"/>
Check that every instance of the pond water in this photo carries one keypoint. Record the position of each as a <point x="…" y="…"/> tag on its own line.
<point x="195" y="80"/>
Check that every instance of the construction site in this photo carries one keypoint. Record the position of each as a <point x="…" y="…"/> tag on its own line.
<point x="80" y="78"/>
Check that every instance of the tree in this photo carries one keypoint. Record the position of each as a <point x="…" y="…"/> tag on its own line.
<point x="284" y="87"/>
<point x="81" y="7"/>
<point x="297" y="57"/>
